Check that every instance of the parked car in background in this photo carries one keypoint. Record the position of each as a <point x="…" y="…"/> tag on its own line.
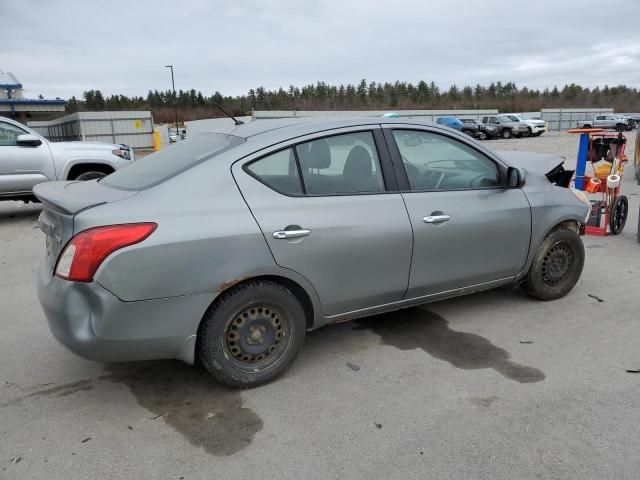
<point x="229" y="246"/>
<point x="480" y="130"/>
<point x="27" y="159"/>
<point x="451" y="122"/>
<point x="177" y="135"/>
<point x="507" y="127"/>
<point x="610" y="122"/>
<point x="536" y="126"/>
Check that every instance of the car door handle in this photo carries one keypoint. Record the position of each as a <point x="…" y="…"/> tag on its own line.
<point x="286" y="234"/>
<point x="436" y="219"/>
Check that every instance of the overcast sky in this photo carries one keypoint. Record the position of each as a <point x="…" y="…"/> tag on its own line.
<point x="59" y="48"/>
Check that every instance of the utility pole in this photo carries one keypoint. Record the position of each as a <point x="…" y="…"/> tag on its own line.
<point x="175" y="99"/>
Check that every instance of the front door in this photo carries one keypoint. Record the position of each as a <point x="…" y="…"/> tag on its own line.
<point x="326" y="213"/>
<point x="21" y="167"/>
<point x="468" y="229"/>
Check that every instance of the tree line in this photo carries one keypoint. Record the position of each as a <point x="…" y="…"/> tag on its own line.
<point x="506" y="97"/>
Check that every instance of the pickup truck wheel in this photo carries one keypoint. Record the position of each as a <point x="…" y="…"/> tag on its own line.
<point x="621" y="127"/>
<point x="506" y="133"/>
<point x="482" y="136"/>
<point x="557" y="265"/>
<point x="586" y="125"/>
<point x="90" y="176"/>
<point x="251" y="334"/>
<point x="527" y="133"/>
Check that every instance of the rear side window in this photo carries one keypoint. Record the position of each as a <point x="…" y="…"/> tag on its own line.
<point x="340" y="164"/>
<point x="278" y="171"/>
<point x="170" y="161"/>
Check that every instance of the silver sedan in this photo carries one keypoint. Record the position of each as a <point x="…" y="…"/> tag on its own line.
<point x="228" y="247"/>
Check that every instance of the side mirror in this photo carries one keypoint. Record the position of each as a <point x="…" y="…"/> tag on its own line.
<point x="516" y="177"/>
<point x="28" y="140"/>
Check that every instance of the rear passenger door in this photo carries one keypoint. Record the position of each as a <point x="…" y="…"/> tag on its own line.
<point x="468" y="228"/>
<point x="329" y="211"/>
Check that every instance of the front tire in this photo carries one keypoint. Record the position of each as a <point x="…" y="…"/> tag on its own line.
<point x="526" y="133"/>
<point x="251" y="334"/>
<point x="482" y="136"/>
<point x="557" y="265"/>
<point x="506" y="133"/>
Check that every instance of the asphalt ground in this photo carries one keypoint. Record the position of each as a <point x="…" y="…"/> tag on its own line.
<point x="489" y="386"/>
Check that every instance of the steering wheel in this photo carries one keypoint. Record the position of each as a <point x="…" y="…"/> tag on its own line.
<point x="429" y="178"/>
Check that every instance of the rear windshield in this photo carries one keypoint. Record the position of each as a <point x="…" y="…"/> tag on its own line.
<point x="170" y="161"/>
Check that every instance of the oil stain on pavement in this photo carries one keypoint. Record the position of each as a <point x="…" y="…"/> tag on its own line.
<point x="188" y="399"/>
<point x="417" y="328"/>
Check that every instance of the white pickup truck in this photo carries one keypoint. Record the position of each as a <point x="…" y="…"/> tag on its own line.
<point x="26" y="159"/>
<point x="614" y="122"/>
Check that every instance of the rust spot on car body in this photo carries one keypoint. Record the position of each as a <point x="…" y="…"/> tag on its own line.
<point x="230" y="283"/>
<point x="341" y="320"/>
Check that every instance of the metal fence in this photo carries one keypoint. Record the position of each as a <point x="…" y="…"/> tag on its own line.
<point x="556" y="118"/>
<point x="128" y="127"/>
<point x="566" y="118"/>
<point x="425" y="115"/>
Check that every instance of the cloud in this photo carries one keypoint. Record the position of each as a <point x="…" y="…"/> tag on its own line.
<point x="65" y="47"/>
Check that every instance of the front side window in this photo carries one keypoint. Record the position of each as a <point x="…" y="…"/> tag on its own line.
<point x="9" y="134"/>
<point x="437" y="162"/>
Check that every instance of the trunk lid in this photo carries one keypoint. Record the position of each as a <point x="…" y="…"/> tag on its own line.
<point x="62" y="201"/>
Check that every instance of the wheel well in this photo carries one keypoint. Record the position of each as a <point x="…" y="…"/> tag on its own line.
<point x="567" y="225"/>
<point x="299" y="292"/>
<point x="88" y="167"/>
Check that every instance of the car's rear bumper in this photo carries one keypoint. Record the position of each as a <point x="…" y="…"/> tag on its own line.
<point x="96" y="325"/>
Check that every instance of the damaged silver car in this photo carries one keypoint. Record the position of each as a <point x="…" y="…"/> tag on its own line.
<point x="227" y="247"/>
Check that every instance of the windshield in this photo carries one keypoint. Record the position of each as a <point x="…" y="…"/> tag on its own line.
<point x="513" y="118"/>
<point x="170" y="161"/>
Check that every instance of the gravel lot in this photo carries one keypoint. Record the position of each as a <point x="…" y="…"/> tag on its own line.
<point x="489" y="386"/>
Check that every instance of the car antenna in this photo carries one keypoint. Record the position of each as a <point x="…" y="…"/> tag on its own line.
<point x="235" y="120"/>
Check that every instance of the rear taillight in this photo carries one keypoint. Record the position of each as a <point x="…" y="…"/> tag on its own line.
<point x="87" y="250"/>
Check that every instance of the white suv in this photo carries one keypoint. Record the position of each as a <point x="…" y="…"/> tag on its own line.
<point x="537" y="126"/>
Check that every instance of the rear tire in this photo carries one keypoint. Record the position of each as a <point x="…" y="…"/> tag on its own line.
<point x="251" y="334"/>
<point x="83" y="177"/>
<point x="557" y="265"/>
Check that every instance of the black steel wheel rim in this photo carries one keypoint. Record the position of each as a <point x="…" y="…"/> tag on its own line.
<point x="557" y="264"/>
<point x="257" y="337"/>
<point x="619" y="214"/>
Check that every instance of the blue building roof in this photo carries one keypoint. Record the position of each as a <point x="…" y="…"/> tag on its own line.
<point x="9" y="82"/>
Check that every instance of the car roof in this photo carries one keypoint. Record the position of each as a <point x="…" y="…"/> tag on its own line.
<point x="293" y="127"/>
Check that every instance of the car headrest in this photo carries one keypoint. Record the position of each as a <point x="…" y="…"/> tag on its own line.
<point x="358" y="163"/>
<point x="318" y="155"/>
